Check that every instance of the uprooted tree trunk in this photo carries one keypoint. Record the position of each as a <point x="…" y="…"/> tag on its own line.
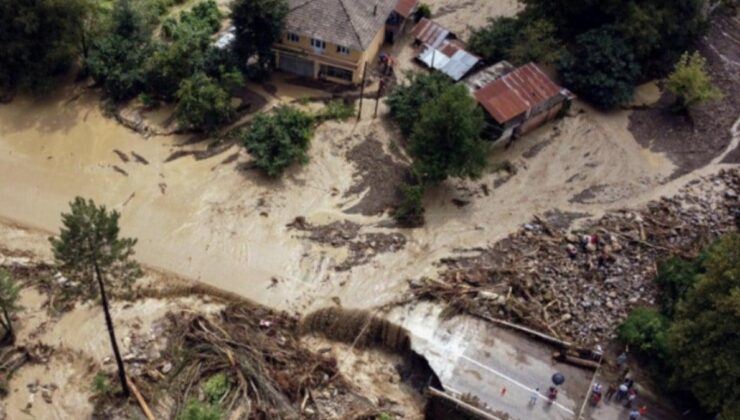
<point x="9" y="336"/>
<point x="112" y="333"/>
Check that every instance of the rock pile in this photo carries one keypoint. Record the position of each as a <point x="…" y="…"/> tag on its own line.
<point x="580" y="285"/>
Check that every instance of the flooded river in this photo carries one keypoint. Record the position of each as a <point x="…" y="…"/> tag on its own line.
<point x="211" y="221"/>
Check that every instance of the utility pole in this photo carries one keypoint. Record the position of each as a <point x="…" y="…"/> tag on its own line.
<point x="111" y="332"/>
<point x="381" y="86"/>
<point x="362" y="92"/>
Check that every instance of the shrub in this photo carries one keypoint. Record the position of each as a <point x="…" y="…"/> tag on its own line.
<point x="280" y="139"/>
<point x="196" y="410"/>
<point x="337" y="110"/>
<point x="411" y="211"/>
<point x="424" y="11"/>
<point x="690" y="83"/>
<point x="602" y="69"/>
<point x="101" y="385"/>
<point x="116" y="63"/>
<point x="216" y="387"/>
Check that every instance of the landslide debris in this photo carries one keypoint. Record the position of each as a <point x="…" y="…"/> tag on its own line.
<point x="579" y="285"/>
<point x="362" y="247"/>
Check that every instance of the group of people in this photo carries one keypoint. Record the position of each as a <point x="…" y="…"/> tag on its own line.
<point x="625" y="391"/>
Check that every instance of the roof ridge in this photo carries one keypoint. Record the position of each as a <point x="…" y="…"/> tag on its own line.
<point x="351" y="22"/>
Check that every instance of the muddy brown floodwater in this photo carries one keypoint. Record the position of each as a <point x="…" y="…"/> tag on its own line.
<point x="217" y="223"/>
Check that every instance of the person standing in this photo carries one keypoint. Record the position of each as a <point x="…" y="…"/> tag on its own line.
<point x="533" y="397"/>
<point x="622" y="391"/>
<point x="610" y="392"/>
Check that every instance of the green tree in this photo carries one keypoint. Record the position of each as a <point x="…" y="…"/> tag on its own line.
<point x="646" y="330"/>
<point x="405" y="101"/>
<point x="675" y="278"/>
<point x="39" y="40"/>
<point x="536" y="41"/>
<point x="173" y="62"/>
<point x="116" y="63"/>
<point x="657" y="31"/>
<point x="411" y="211"/>
<point x="493" y="41"/>
<point x="89" y="252"/>
<point x="203" y="104"/>
<point x="259" y="24"/>
<point x="690" y="83"/>
<point x="446" y="141"/>
<point x="705" y="337"/>
<point x="9" y="294"/>
<point x="601" y="69"/>
<point x="278" y="140"/>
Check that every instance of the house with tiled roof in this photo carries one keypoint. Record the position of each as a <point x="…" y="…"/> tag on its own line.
<point x="333" y="39"/>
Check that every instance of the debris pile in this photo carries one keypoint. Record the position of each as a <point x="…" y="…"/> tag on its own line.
<point x="362" y="247"/>
<point x="580" y="285"/>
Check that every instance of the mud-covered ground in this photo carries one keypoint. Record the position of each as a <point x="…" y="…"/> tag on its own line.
<point x="695" y="140"/>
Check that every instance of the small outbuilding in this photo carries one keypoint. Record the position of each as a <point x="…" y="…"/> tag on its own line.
<point x="521" y="100"/>
<point x="440" y="49"/>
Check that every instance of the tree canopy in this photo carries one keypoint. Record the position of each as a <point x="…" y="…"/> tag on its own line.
<point x="9" y="295"/>
<point x="694" y="340"/>
<point x="705" y="334"/>
<point x="657" y="31"/>
<point x="601" y="68"/>
<point x="446" y="141"/>
<point x="280" y="139"/>
<point x="203" y="103"/>
<point x="40" y="39"/>
<point x="405" y="101"/>
<point x="259" y="24"/>
<point x="90" y="234"/>
<point x="518" y="40"/>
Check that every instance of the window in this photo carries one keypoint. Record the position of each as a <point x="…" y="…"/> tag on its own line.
<point x="318" y="44"/>
<point x="336" y="73"/>
<point x="343" y="50"/>
<point x="293" y="37"/>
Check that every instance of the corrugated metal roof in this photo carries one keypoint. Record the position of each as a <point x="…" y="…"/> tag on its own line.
<point x="431" y="33"/>
<point x="406" y="7"/>
<point x="450" y="59"/>
<point x="514" y="93"/>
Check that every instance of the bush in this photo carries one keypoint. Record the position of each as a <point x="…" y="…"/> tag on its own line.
<point x="405" y="101"/>
<point x="602" y="69"/>
<point x="101" y="385"/>
<point x="202" y="104"/>
<point x="690" y="83"/>
<point x="204" y="15"/>
<point x="517" y="40"/>
<point x="646" y="329"/>
<point x="424" y="11"/>
<point x="196" y="410"/>
<point x="337" y="110"/>
<point x="280" y="139"/>
<point x="216" y="387"/>
<point x="411" y="211"/>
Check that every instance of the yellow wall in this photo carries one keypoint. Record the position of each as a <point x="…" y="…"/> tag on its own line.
<point x="354" y="62"/>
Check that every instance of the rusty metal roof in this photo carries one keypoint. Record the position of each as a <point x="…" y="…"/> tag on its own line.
<point x="406" y="7"/>
<point x="517" y="92"/>
<point x="431" y="33"/>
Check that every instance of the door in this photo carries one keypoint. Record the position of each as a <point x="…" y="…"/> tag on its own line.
<point x="296" y="65"/>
